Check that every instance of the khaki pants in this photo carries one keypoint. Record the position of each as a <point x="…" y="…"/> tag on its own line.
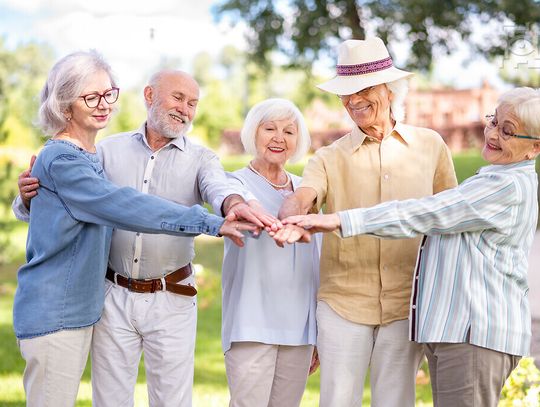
<point x="54" y="366"/>
<point x="465" y="375"/>
<point x="262" y="375"/>
<point x="346" y="350"/>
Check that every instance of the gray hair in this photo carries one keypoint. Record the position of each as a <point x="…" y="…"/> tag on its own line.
<point x="275" y="109"/>
<point x="525" y="103"/>
<point x="65" y="82"/>
<point x="399" y="89"/>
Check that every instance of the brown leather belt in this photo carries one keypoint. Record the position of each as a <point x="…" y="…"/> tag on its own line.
<point x="167" y="283"/>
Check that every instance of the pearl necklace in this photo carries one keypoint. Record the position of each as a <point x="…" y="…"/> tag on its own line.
<point x="267" y="180"/>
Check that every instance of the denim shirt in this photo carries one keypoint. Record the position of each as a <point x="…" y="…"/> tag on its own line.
<point x="61" y="285"/>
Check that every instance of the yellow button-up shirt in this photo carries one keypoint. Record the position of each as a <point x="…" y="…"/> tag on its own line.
<point x="364" y="279"/>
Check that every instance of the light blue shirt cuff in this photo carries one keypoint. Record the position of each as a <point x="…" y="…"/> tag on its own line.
<point x="351" y="225"/>
<point x="19" y="210"/>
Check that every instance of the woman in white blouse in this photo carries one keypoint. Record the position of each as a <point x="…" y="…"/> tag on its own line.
<point x="269" y="293"/>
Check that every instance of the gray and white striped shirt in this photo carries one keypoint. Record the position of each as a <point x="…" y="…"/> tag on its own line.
<point x="471" y="279"/>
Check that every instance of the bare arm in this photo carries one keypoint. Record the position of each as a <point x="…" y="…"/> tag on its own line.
<point x="298" y="203"/>
<point x="236" y="208"/>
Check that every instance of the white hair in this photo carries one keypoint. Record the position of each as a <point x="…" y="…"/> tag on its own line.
<point x="65" y="82"/>
<point x="399" y="89"/>
<point x="525" y="103"/>
<point x="275" y="109"/>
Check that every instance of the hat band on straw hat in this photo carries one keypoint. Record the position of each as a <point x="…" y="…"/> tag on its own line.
<point x="361" y="69"/>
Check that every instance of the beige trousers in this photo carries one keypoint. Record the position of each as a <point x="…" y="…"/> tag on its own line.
<point x="466" y="375"/>
<point x="262" y="375"/>
<point x="346" y="350"/>
<point x="54" y="366"/>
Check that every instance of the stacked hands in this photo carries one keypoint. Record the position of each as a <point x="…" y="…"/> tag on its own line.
<point x="298" y="228"/>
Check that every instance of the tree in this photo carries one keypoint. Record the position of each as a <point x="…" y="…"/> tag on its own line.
<point x="302" y="30"/>
<point x="22" y="73"/>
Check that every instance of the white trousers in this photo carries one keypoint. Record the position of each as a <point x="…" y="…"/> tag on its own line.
<point x="54" y="367"/>
<point x="161" y="324"/>
<point x="262" y="375"/>
<point x="347" y="349"/>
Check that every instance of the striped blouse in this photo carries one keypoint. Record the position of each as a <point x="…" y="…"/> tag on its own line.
<point x="471" y="279"/>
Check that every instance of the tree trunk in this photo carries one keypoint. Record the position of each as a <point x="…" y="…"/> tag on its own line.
<point x="353" y="14"/>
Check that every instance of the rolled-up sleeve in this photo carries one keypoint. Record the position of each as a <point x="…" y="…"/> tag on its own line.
<point x="315" y="177"/>
<point x="445" y="174"/>
<point x="215" y="186"/>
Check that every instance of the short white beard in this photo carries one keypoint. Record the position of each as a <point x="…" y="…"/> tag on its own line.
<point x="158" y="119"/>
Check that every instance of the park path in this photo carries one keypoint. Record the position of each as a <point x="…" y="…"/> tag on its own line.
<point x="534" y="296"/>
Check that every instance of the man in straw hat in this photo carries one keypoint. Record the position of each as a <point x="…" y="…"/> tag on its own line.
<point x="365" y="283"/>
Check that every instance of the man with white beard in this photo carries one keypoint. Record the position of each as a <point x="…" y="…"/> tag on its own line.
<point x="150" y="302"/>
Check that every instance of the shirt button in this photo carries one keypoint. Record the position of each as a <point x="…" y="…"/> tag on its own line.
<point x="152" y="157"/>
<point x="386" y="176"/>
<point x="385" y="268"/>
<point x="182" y="228"/>
<point x="138" y="233"/>
<point x="413" y="307"/>
<point x="146" y="181"/>
<point x="136" y="261"/>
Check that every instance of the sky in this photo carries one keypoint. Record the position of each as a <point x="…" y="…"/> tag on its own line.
<point x="135" y="36"/>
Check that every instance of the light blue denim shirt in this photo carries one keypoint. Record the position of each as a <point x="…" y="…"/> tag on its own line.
<point x="61" y="285"/>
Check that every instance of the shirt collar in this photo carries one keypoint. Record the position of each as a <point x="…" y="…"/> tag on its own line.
<point x="179" y="142"/>
<point x="526" y="165"/>
<point x="399" y="131"/>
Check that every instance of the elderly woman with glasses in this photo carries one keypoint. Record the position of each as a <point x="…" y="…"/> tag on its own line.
<point x="269" y="293"/>
<point x="60" y="289"/>
<point x="469" y="304"/>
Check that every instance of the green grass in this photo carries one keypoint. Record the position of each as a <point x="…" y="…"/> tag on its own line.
<point x="467" y="163"/>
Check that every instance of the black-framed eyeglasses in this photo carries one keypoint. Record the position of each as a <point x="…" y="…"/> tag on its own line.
<point x="363" y="92"/>
<point x="92" y="100"/>
<point x="506" y="136"/>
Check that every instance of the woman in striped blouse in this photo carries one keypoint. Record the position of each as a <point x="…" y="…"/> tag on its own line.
<point x="469" y="305"/>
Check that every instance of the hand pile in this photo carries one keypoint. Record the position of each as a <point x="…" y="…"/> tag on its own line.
<point x="253" y="218"/>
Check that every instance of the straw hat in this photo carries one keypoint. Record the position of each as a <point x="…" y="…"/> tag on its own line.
<point x="361" y="64"/>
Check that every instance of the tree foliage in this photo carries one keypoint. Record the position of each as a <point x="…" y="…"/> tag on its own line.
<point x="22" y="72"/>
<point x="304" y="29"/>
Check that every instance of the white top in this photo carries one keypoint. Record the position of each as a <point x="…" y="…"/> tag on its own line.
<point x="269" y="293"/>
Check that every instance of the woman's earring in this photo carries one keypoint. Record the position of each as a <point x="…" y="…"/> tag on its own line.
<point x="68" y="118"/>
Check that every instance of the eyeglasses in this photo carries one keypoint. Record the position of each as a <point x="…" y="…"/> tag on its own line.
<point x="491" y="123"/>
<point x="92" y="100"/>
<point x="363" y="92"/>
